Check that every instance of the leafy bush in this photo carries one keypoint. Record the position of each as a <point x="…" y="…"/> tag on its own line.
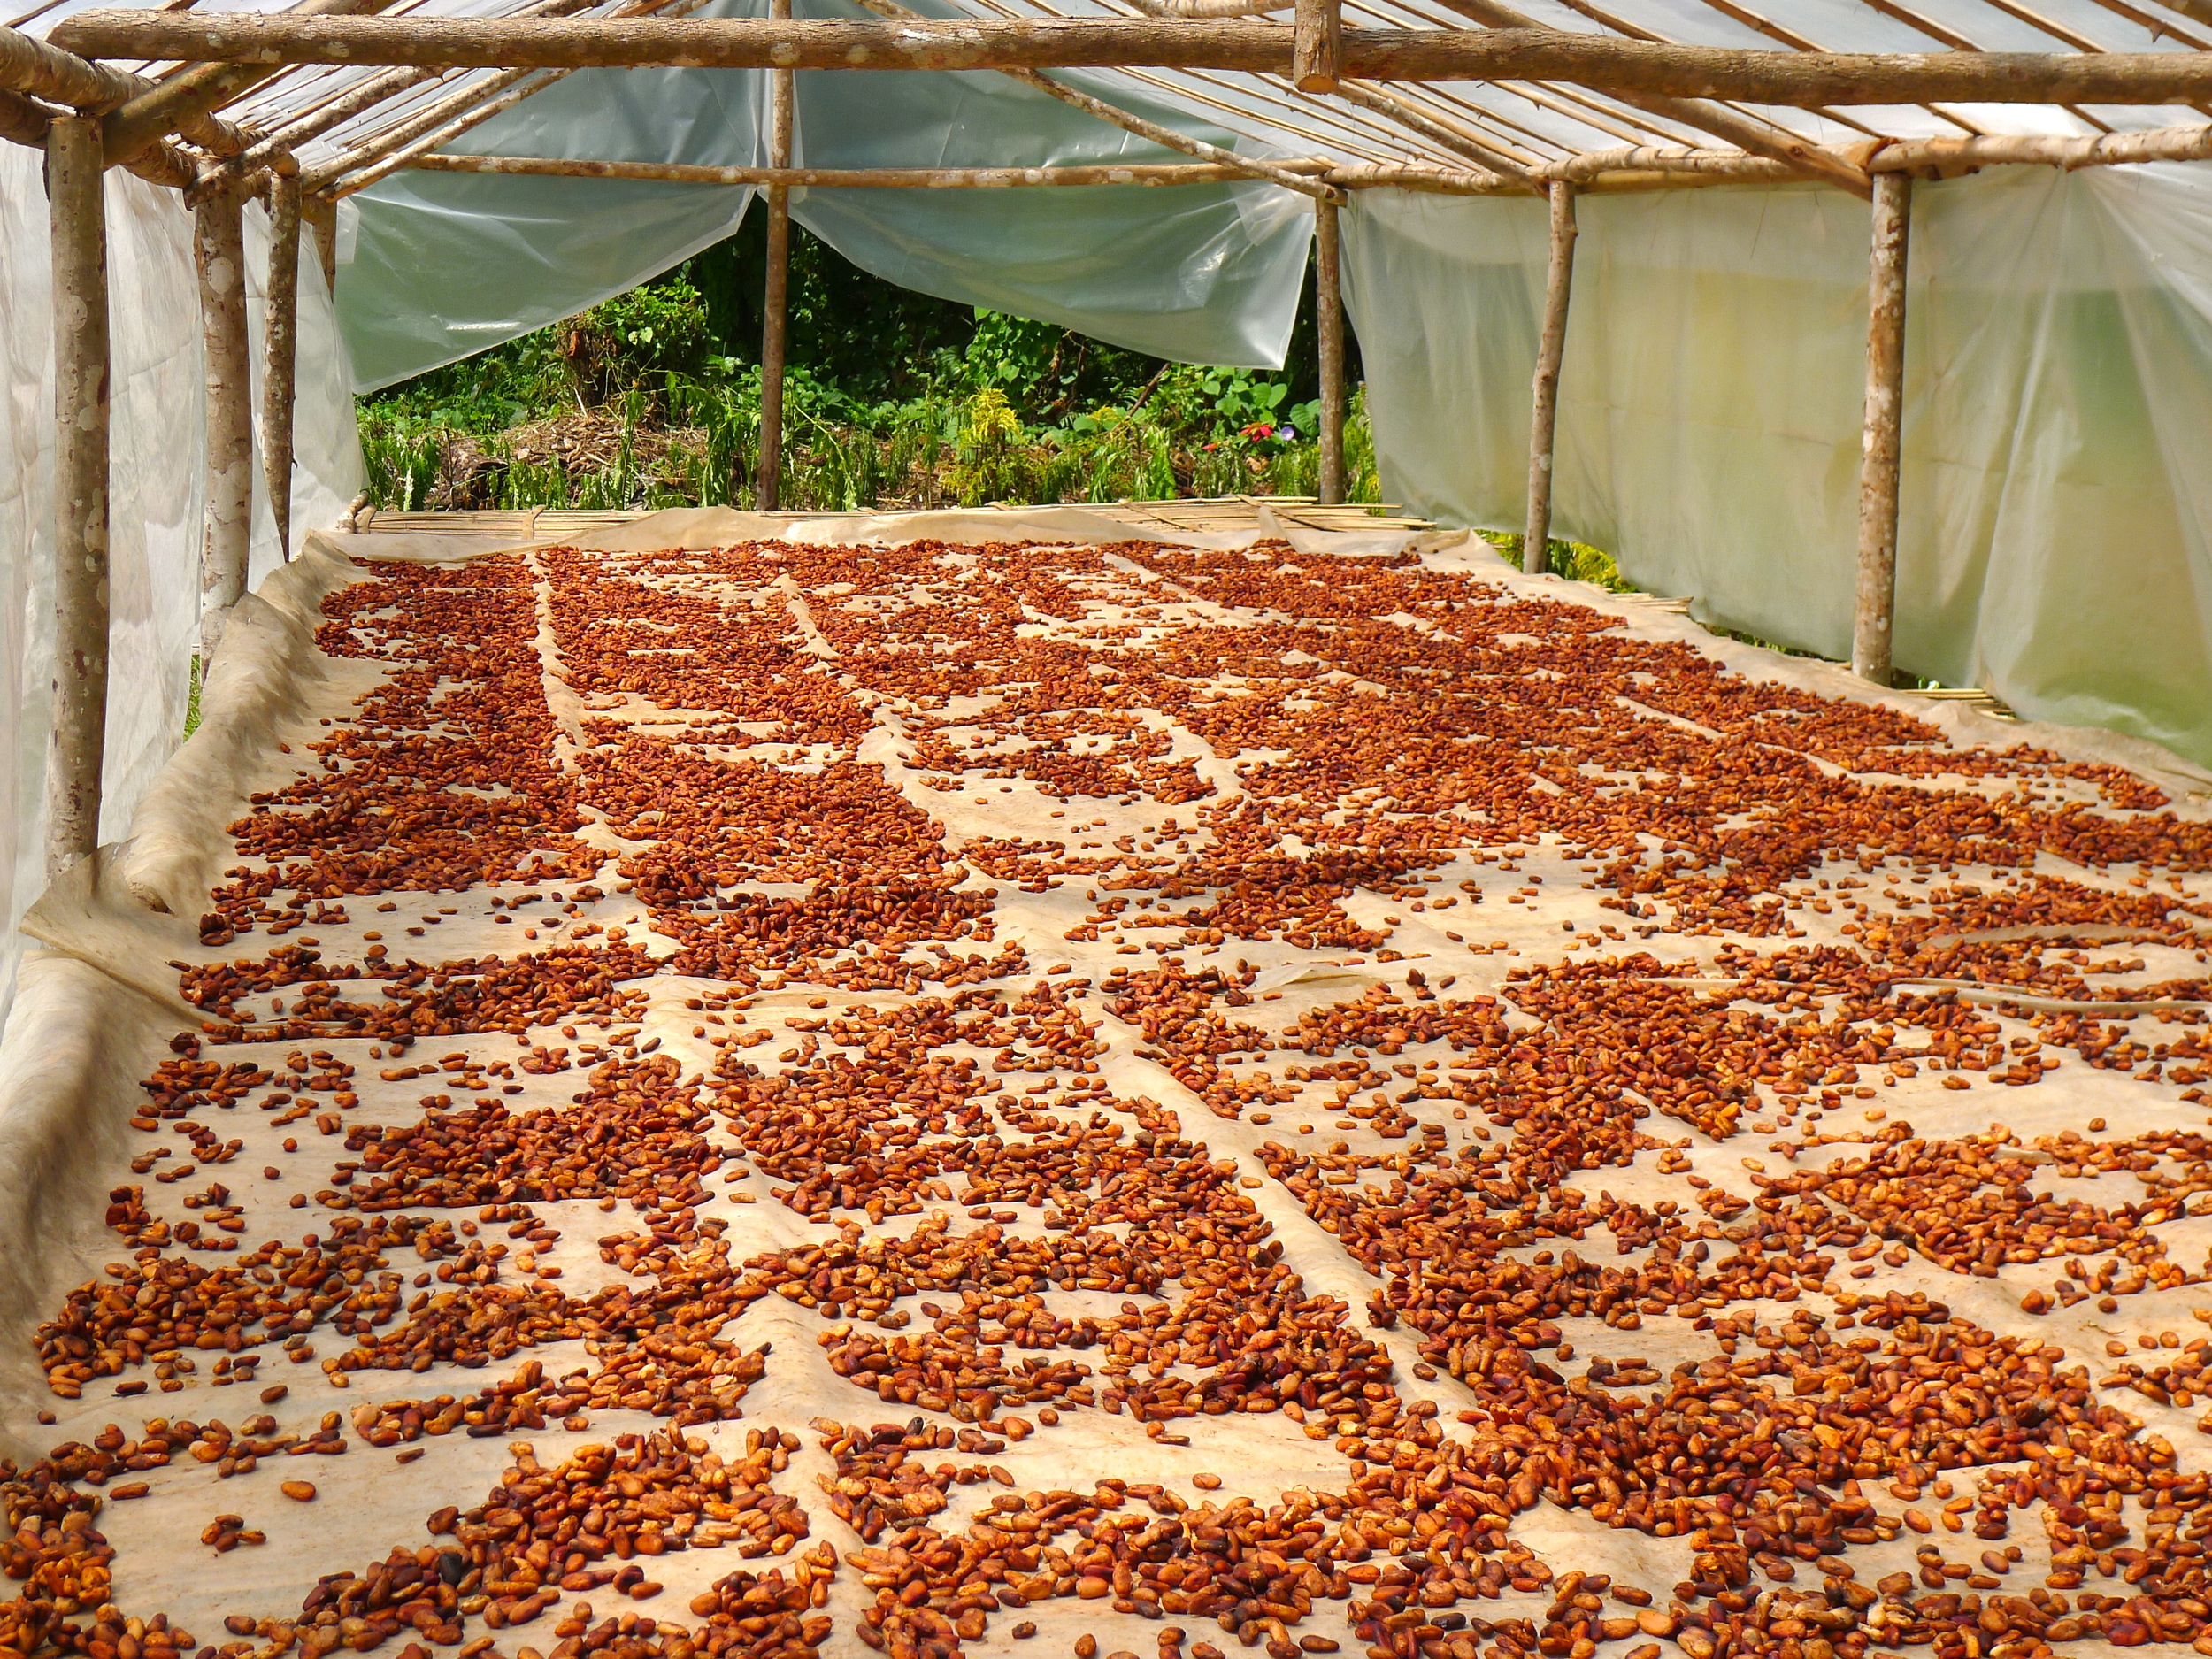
<point x="656" y="400"/>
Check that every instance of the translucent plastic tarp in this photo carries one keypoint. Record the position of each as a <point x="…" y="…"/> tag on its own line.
<point x="2056" y="537"/>
<point x="445" y="264"/>
<point x="156" y="492"/>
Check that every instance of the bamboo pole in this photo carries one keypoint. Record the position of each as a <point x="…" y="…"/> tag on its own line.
<point x="1454" y="136"/>
<point x="424" y="131"/>
<point x="1619" y="66"/>
<point x="321" y="216"/>
<point x="1872" y="640"/>
<point x="1328" y="316"/>
<point x="1316" y="61"/>
<point x="1550" y="349"/>
<point x="1753" y="138"/>
<point x="776" y="290"/>
<point x="77" y="741"/>
<point x="355" y="100"/>
<point x="186" y="103"/>
<point x="447" y="118"/>
<point x="280" y="356"/>
<point x="219" y="254"/>
<point x="1167" y="137"/>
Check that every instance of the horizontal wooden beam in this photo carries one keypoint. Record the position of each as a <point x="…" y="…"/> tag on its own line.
<point x="41" y="69"/>
<point x="37" y="69"/>
<point x="1752" y="76"/>
<point x="2104" y="149"/>
<point x="858" y="178"/>
<point x="1609" y="172"/>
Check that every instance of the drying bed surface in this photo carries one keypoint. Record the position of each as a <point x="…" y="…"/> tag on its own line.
<point x="782" y="1100"/>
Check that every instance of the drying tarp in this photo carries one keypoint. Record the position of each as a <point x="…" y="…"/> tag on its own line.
<point x="2056" y="538"/>
<point x="444" y="264"/>
<point x="157" y="481"/>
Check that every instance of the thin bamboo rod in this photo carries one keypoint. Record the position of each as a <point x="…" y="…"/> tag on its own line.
<point x="1328" y="315"/>
<point x="186" y="103"/>
<point x="279" y="355"/>
<point x="1697" y="109"/>
<point x="514" y="89"/>
<point x="1165" y="136"/>
<point x="1620" y="67"/>
<point x="219" y="255"/>
<point x="1460" y="141"/>
<point x="77" y="743"/>
<point x="447" y="118"/>
<point x="1872" y="633"/>
<point x="776" y="289"/>
<point x="1550" y="351"/>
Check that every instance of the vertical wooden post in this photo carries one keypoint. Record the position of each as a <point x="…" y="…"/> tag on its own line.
<point x="1316" y="51"/>
<point x="321" y="214"/>
<point x="1870" y="631"/>
<point x="776" y="291"/>
<point x="1550" y="347"/>
<point x="280" y="356"/>
<point x="77" y="743"/>
<point x="218" y="250"/>
<point x="1328" y="315"/>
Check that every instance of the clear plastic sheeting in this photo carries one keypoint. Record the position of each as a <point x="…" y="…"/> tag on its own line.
<point x="445" y="264"/>
<point x="2055" y="545"/>
<point x="1204" y="273"/>
<point x="156" y="492"/>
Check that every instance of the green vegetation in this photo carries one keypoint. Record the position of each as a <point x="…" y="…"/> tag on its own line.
<point x="1575" y="561"/>
<point x="894" y="400"/>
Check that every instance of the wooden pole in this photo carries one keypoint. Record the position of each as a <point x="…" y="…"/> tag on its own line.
<point x="1608" y="63"/>
<point x="1550" y="349"/>
<point x="220" y="253"/>
<point x="185" y="102"/>
<point x="321" y="216"/>
<point x="279" y="355"/>
<point x="1328" y="316"/>
<point x="878" y="178"/>
<point x="77" y="743"/>
<point x="775" y="291"/>
<point x="1871" y="624"/>
<point x="1316" y="62"/>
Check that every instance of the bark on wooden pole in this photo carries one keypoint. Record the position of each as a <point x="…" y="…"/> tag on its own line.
<point x="1608" y="63"/>
<point x="1871" y="624"/>
<point x="321" y="216"/>
<point x="219" y="251"/>
<point x="775" y="292"/>
<point x="870" y="178"/>
<point x="1317" y="61"/>
<point x="1550" y="349"/>
<point x="279" y="355"/>
<point x="1328" y="316"/>
<point x="77" y="743"/>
